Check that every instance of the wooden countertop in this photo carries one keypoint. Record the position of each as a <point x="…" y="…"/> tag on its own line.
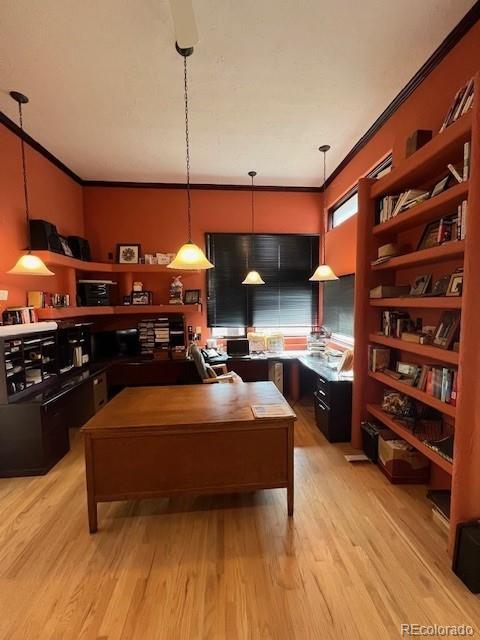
<point x="186" y="405"/>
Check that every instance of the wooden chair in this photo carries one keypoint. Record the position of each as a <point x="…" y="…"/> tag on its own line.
<point x="208" y="372"/>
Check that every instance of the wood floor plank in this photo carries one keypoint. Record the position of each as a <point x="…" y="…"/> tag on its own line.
<point x="359" y="558"/>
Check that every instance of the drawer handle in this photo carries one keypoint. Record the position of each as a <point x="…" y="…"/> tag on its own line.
<point x="322" y="392"/>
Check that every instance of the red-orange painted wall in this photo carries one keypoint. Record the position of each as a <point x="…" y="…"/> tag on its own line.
<point x="53" y="196"/>
<point x="156" y="218"/>
<point x="424" y="109"/>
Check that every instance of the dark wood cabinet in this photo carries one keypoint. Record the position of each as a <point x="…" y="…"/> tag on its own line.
<point x="250" y="370"/>
<point x="333" y="408"/>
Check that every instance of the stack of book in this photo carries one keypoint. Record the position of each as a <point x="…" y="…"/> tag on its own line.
<point x="439" y="382"/>
<point x="19" y="315"/>
<point x="461" y="104"/>
<point x="391" y="206"/>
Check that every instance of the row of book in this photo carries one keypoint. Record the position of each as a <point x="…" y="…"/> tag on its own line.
<point x="439" y="382"/>
<point x="45" y="299"/>
<point x="390" y="206"/>
<point x="19" y="315"/>
<point x="461" y="104"/>
<point x="453" y="227"/>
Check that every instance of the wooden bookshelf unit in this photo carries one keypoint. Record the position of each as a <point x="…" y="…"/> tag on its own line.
<point x="419" y="171"/>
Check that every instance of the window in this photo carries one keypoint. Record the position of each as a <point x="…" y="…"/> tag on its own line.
<point x="347" y="206"/>
<point x="338" y="298"/>
<point x="287" y="299"/>
<point x="345" y="209"/>
<point x="228" y="332"/>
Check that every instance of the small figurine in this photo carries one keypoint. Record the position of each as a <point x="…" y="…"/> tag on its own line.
<point x="176" y="291"/>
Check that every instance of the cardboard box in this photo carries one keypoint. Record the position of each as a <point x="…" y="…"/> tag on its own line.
<point x="400" y="462"/>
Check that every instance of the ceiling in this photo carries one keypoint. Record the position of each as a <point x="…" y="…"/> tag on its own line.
<point x="270" y="81"/>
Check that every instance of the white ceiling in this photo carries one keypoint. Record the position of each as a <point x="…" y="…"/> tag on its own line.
<point x="270" y="81"/>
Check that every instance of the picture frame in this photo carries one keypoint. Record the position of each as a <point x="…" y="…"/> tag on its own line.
<point x="407" y="369"/>
<point x="67" y="250"/>
<point x="455" y="286"/>
<point x="429" y="236"/>
<point x="440" y="186"/>
<point x="192" y="296"/>
<point x="446" y="329"/>
<point x="128" y="253"/>
<point x="142" y="297"/>
<point x="420" y="285"/>
<point x="439" y="287"/>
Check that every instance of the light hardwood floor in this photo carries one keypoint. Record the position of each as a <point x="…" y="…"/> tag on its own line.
<point x="359" y="558"/>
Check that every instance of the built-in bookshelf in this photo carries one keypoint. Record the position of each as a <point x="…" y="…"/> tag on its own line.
<point x="460" y="410"/>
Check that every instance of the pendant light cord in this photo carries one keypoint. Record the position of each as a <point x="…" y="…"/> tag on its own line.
<point x="253" y="208"/>
<point x="187" y="147"/>
<point x="25" y="185"/>
<point x="324" y="208"/>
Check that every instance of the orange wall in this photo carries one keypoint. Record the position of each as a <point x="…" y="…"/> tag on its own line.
<point x="156" y="218"/>
<point x="52" y="195"/>
<point x="424" y="109"/>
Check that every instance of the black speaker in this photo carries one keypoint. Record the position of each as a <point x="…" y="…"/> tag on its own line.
<point x="80" y="248"/>
<point x="466" y="558"/>
<point x="44" y="236"/>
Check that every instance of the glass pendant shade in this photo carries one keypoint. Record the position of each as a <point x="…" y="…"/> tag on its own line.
<point x="253" y="277"/>
<point x="30" y="265"/>
<point x="323" y="273"/>
<point x="190" y="258"/>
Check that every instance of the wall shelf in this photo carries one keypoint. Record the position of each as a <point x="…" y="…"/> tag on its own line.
<point x="413" y="392"/>
<point x="439" y="302"/>
<point x="377" y="412"/>
<point x="433" y="209"/>
<point x="425" y="350"/>
<point x="57" y="260"/>
<point x="447" y="251"/>
<point x="157" y="308"/>
<point x="80" y="312"/>
<point x="72" y="312"/>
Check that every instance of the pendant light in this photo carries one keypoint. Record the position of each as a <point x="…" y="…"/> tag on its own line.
<point x="27" y="264"/>
<point x="189" y="257"/>
<point x="252" y="277"/>
<point x="324" y="272"/>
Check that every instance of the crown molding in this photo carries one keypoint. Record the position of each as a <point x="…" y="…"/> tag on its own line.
<point x="199" y="186"/>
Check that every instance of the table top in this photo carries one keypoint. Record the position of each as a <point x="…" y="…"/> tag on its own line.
<point x="187" y="405"/>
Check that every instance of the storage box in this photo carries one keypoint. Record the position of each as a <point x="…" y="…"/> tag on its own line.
<point x="400" y="462"/>
<point x="389" y="291"/>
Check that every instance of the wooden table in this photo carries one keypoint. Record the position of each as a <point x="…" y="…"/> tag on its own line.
<point x="200" y="439"/>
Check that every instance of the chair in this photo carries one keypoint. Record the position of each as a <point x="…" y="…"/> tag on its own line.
<point x="208" y="373"/>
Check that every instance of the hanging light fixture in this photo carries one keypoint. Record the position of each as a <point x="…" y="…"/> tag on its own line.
<point x="324" y="272"/>
<point x="27" y="264"/>
<point x="252" y="277"/>
<point x="189" y="257"/>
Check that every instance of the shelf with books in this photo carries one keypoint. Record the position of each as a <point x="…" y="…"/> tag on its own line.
<point x="419" y="171"/>
<point x="78" y="312"/>
<point x="424" y="350"/>
<point x="438" y="302"/>
<point x="428" y="161"/>
<point x="447" y="251"/>
<point x="426" y="212"/>
<point x="72" y="312"/>
<point x="377" y="412"/>
<point x="413" y="392"/>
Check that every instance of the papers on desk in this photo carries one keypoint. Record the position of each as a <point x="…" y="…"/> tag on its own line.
<point x="270" y="410"/>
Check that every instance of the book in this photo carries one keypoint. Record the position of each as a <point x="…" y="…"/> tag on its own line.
<point x="455" y="172"/>
<point x="389" y="291"/>
<point x="453" y="393"/>
<point x="411" y="336"/>
<point x="466" y="161"/>
<point x="460" y="105"/>
<point x="271" y="410"/>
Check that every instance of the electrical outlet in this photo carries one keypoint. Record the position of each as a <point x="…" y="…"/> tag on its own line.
<point x="3" y="294"/>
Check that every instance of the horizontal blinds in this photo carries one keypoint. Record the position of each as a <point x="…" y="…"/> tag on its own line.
<point x="285" y="263"/>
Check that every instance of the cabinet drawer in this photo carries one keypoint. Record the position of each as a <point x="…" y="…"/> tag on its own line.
<point x="100" y="397"/>
<point x="322" y="390"/>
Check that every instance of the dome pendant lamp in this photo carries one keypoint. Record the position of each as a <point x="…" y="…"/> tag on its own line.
<point x="252" y="277"/>
<point x="324" y="272"/>
<point x="27" y="264"/>
<point x="189" y="257"/>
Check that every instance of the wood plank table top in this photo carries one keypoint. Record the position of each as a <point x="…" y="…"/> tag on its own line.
<point x="157" y="407"/>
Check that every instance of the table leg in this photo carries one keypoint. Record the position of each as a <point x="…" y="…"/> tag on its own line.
<point x="290" y="472"/>
<point x="89" y="472"/>
<point x="92" y="515"/>
<point x="290" y="500"/>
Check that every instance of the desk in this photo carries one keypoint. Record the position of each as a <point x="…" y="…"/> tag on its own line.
<point x="202" y="439"/>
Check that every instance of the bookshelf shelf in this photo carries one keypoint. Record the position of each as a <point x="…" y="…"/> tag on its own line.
<point x="377" y="412"/>
<point x="421" y="396"/>
<point x="428" y="161"/>
<point x="80" y="312"/>
<point x="424" y="350"/>
<point x="443" y="204"/>
<point x="446" y="251"/>
<point x="440" y="302"/>
<point x="422" y="169"/>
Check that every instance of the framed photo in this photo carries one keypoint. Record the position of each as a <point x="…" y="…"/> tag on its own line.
<point x="142" y="297"/>
<point x="65" y="246"/>
<point x="191" y="296"/>
<point x="127" y="300"/>
<point x="420" y="285"/>
<point x="128" y="253"/>
<point x="429" y="236"/>
<point x="455" y="286"/>
<point x="446" y="329"/>
<point x="440" y="186"/>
